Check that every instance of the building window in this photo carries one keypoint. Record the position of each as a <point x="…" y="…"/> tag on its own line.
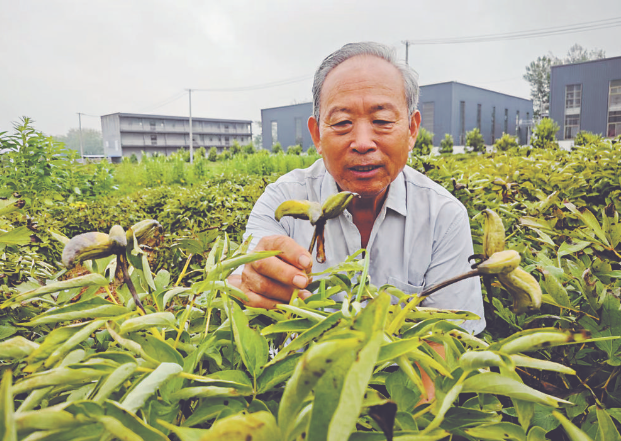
<point x="506" y="126"/>
<point x="479" y="117"/>
<point x="614" y="108"/>
<point x="462" y="123"/>
<point x="573" y="101"/>
<point x="226" y="128"/>
<point x="152" y="124"/>
<point x="493" y="124"/>
<point x="427" y="117"/>
<point x="274" y="132"/>
<point x="226" y="140"/>
<point x="517" y="122"/>
<point x="298" y="131"/>
<point x="153" y="139"/>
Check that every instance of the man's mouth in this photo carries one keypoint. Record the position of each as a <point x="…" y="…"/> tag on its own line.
<point x="364" y="168"/>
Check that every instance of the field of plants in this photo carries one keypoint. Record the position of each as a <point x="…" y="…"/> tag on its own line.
<point x="116" y="320"/>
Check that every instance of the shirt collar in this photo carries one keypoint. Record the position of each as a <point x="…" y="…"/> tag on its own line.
<point x="396" y="199"/>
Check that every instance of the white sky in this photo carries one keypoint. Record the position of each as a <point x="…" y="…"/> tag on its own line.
<point x="60" y="57"/>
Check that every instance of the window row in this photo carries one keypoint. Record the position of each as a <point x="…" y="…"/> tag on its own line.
<point x="573" y="103"/>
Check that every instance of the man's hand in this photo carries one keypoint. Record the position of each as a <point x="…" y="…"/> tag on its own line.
<point x="270" y="281"/>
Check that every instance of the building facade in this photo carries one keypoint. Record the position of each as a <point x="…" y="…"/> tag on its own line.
<point x="587" y="96"/>
<point x="286" y="125"/>
<point x="452" y="108"/>
<point x="125" y="134"/>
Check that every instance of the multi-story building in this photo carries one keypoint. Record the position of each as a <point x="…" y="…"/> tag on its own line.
<point x="127" y="133"/>
<point x="451" y="107"/>
<point x="587" y="96"/>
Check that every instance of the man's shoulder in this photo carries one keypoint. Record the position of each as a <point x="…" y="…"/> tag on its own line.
<point x="420" y="186"/>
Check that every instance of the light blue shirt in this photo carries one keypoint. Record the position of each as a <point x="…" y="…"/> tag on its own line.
<point x="421" y="236"/>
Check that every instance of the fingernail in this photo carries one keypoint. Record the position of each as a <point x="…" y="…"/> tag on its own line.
<point x="304" y="294"/>
<point x="304" y="261"/>
<point x="300" y="281"/>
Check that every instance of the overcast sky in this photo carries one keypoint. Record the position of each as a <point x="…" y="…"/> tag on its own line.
<point x="60" y="57"/>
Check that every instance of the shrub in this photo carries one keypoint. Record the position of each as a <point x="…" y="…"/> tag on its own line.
<point x="213" y="154"/>
<point x="235" y="149"/>
<point x="475" y="140"/>
<point x="506" y="142"/>
<point x="294" y="150"/>
<point x="312" y="151"/>
<point x="424" y="143"/>
<point x="133" y="159"/>
<point x="276" y="148"/>
<point x="584" y="138"/>
<point x="248" y="149"/>
<point x="446" y="145"/>
<point x="225" y="155"/>
<point x="200" y="153"/>
<point x="544" y="135"/>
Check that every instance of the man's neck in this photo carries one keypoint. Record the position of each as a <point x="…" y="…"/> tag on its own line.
<point x="364" y="211"/>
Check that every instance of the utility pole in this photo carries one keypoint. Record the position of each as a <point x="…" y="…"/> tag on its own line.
<point x="407" y="51"/>
<point x="81" y="143"/>
<point x="191" y="142"/>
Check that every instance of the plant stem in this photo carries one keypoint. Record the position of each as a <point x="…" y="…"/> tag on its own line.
<point x="185" y="268"/>
<point x="448" y="282"/>
<point x="120" y="259"/>
<point x="110" y="295"/>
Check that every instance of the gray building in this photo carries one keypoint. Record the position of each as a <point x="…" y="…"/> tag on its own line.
<point x="451" y="107"/>
<point x="587" y="96"/>
<point x="286" y="125"/>
<point x="127" y="133"/>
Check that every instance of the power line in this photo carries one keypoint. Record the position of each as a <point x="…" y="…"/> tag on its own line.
<point x="531" y="33"/>
<point x="172" y="99"/>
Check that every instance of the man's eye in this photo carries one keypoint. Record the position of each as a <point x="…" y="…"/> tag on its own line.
<point x="382" y="122"/>
<point x="341" y="123"/>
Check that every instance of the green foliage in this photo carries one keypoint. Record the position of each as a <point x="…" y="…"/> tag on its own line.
<point x="200" y="153"/>
<point x="446" y="145"/>
<point x="312" y="151"/>
<point x="544" y="135"/>
<point x="235" y="149"/>
<point x="133" y="159"/>
<point x="584" y="138"/>
<point x="506" y="142"/>
<point x="294" y="150"/>
<point x="248" y="149"/>
<point x="213" y="154"/>
<point x="276" y="148"/>
<point x="92" y="141"/>
<point x="225" y="155"/>
<point x="475" y="140"/>
<point x="423" y="144"/>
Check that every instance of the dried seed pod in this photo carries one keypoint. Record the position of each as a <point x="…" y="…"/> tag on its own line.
<point x="118" y="238"/>
<point x="336" y="204"/>
<point x="300" y="210"/>
<point x="143" y="230"/>
<point x="494" y="233"/>
<point x="501" y="262"/>
<point x="524" y="289"/>
<point x="87" y="246"/>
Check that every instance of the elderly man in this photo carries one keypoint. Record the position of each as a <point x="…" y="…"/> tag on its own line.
<point x="364" y="125"/>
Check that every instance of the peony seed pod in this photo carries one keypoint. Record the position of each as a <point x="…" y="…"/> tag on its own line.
<point x="336" y="204"/>
<point x="299" y="210"/>
<point x="87" y="246"/>
<point x="524" y="289"/>
<point x="494" y="233"/>
<point x="117" y="238"/>
<point x="501" y="262"/>
<point x="143" y="230"/>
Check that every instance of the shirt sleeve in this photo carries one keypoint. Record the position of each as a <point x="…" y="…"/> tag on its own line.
<point x="450" y="255"/>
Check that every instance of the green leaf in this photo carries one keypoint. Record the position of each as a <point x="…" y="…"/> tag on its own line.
<point x="497" y="431"/>
<point x="17" y="236"/>
<point x="609" y="326"/>
<point x="114" y="381"/>
<point x="277" y="373"/>
<point x="6" y="332"/>
<point x="493" y="383"/>
<point x="8" y="428"/>
<point x="293" y="325"/>
<point x="568" y="248"/>
<point x="606" y="430"/>
<point x="402" y="391"/>
<point x="49" y="419"/>
<point x="589" y="220"/>
<point x="535" y="363"/>
<point x="395" y="349"/>
<point x="86" y="330"/>
<point x="131" y="422"/>
<point x="259" y="426"/>
<point x="157" y="319"/>
<point x="572" y="431"/>
<point x="184" y="433"/>
<point x="210" y="408"/>
<point x="16" y="348"/>
<point x="60" y="376"/>
<point x="251" y="345"/>
<point x="553" y="287"/>
<point x="537" y="433"/>
<point x="88" y="309"/>
<point x="87" y="280"/>
<point x="147" y="387"/>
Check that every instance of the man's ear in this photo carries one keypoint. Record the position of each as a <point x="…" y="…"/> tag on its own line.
<point x="313" y="128"/>
<point x="414" y="126"/>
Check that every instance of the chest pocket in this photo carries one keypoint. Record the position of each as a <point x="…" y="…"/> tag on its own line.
<point x="405" y="287"/>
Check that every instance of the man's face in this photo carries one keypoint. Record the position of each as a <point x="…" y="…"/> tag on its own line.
<point x="364" y="133"/>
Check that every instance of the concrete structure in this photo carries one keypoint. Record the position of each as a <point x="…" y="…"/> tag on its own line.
<point x="451" y="107"/>
<point x="127" y="133"/>
<point x="587" y="96"/>
<point x="286" y="125"/>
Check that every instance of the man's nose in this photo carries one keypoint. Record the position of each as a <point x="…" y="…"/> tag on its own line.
<point x="363" y="137"/>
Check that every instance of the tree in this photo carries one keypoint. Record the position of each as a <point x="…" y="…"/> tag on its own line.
<point x="213" y="154"/>
<point x="446" y="145"/>
<point x="312" y="151"/>
<point x="505" y="142"/>
<point x="544" y="135"/>
<point x="248" y="149"/>
<point x="475" y="140"/>
<point x="294" y="150"/>
<point x="424" y="143"/>
<point x="235" y="149"/>
<point x="276" y="148"/>
<point x="538" y="73"/>
<point x="91" y="139"/>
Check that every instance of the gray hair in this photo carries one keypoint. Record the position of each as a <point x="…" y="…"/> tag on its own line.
<point x="350" y="50"/>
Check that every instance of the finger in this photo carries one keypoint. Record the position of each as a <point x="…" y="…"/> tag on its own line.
<point x="281" y="272"/>
<point x="266" y="286"/>
<point x="258" y="301"/>
<point x="304" y="294"/>
<point x="291" y="252"/>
